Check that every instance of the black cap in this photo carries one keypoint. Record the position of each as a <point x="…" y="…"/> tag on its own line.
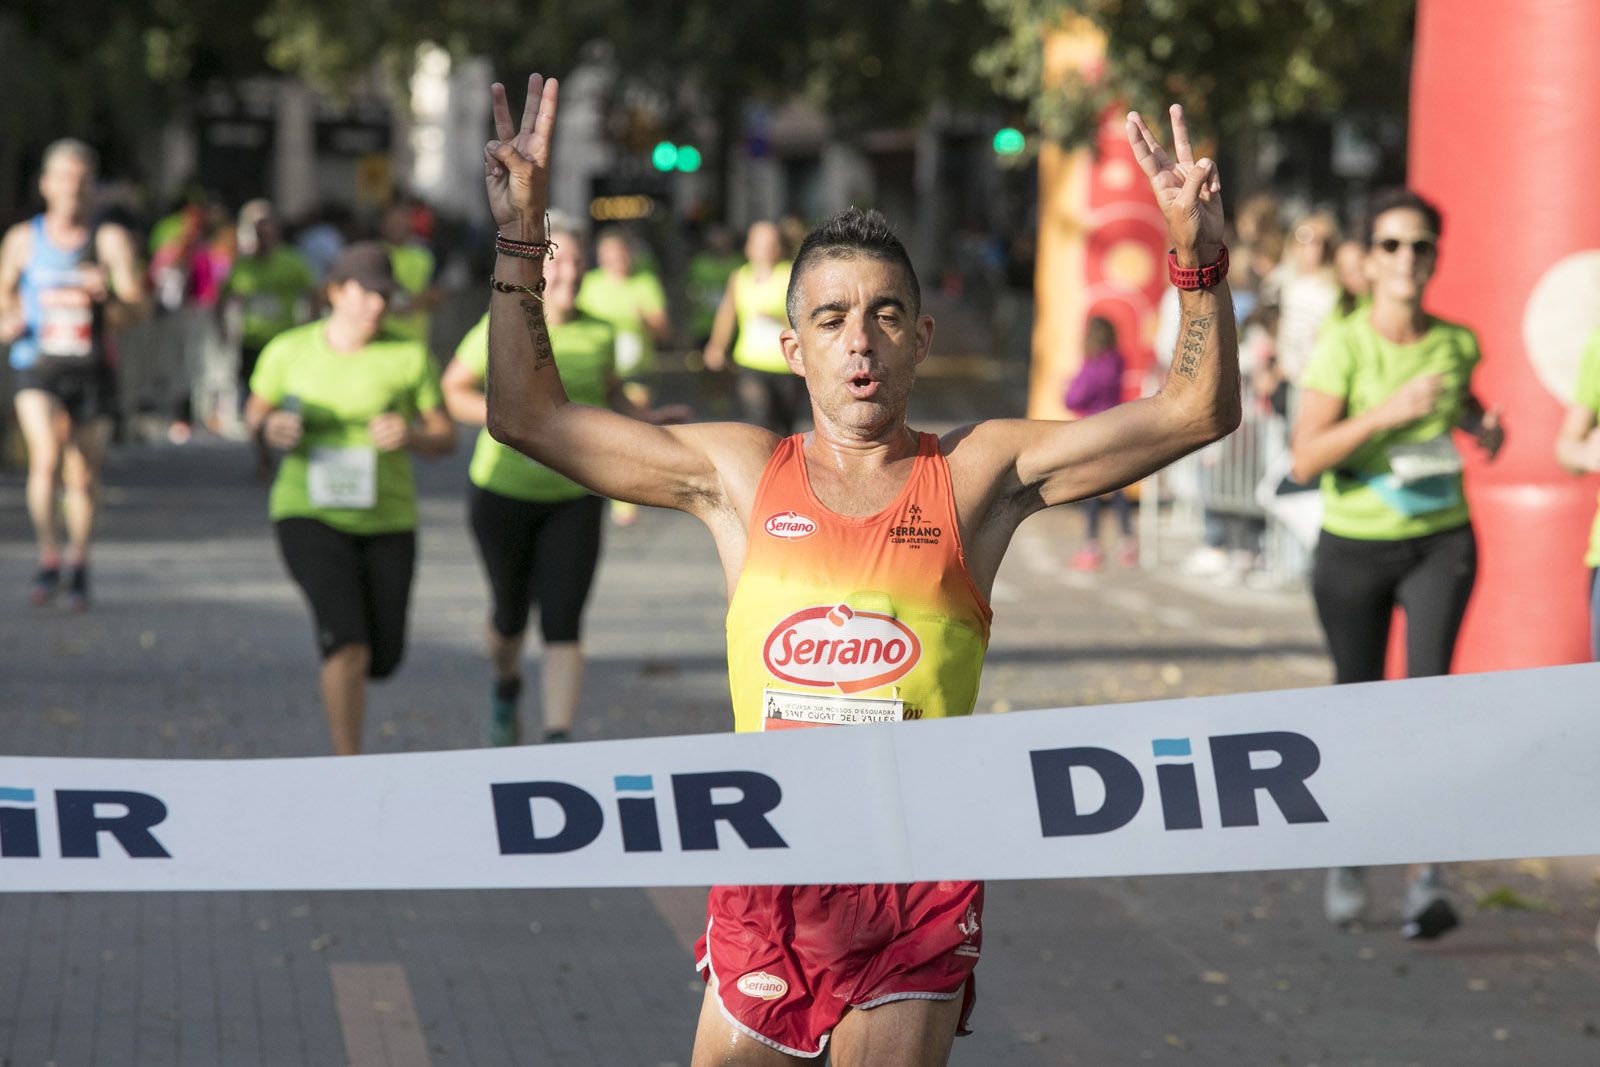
<point x="366" y="262"/>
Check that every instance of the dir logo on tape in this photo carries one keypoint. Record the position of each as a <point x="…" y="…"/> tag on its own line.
<point x="695" y="799"/>
<point x="81" y="817"/>
<point x="1234" y="770"/>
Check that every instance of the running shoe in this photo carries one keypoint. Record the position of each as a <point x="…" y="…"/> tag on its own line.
<point x="78" y="588"/>
<point x="1088" y="558"/>
<point x="1344" y="897"/>
<point x="1428" y="911"/>
<point x="503" y="726"/>
<point x="46" y="581"/>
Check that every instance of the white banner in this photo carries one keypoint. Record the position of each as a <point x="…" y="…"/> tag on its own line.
<point x="1484" y="766"/>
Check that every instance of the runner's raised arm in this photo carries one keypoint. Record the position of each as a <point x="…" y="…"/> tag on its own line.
<point x="528" y="409"/>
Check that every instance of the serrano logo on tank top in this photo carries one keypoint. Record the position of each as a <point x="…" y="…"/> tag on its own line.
<point x="791" y="525"/>
<point x="913" y="530"/>
<point x="834" y="645"/>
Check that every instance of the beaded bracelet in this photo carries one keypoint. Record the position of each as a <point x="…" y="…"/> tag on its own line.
<point x="525" y="249"/>
<point x="512" y="287"/>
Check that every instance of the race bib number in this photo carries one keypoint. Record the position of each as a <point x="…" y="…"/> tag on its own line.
<point x="343" y="477"/>
<point x="782" y="709"/>
<point x="629" y="352"/>
<point x="1418" y="460"/>
<point x="764" y="331"/>
<point x="66" y="323"/>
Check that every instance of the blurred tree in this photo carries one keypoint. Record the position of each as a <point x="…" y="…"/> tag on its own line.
<point x="864" y="64"/>
<point x="1237" y="65"/>
<point x="110" y="73"/>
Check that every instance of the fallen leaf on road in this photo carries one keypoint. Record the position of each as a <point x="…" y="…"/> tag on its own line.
<point x="1507" y="899"/>
<point x="1213" y="978"/>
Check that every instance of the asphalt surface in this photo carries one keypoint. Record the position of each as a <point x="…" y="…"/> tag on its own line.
<point x="198" y="647"/>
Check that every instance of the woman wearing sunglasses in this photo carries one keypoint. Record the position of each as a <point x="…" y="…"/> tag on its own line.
<point x="1380" y="398"/>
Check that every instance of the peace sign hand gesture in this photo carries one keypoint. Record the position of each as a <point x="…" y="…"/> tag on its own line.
<point x="1188" y="191"/>
<point x="517" y="162"/>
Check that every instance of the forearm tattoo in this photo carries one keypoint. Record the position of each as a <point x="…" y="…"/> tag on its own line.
<point x="1192" y="345"/>
<point x="533" y="311"/>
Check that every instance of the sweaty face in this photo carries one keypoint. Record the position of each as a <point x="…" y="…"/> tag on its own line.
<point x="65" y="184"/>
<point x="857" y="341"/>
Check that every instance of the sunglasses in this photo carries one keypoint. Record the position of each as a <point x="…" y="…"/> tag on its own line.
<point x="1422" y="246"/>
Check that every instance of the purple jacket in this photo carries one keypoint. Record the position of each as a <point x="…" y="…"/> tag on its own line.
<point x="1098" y="386"/>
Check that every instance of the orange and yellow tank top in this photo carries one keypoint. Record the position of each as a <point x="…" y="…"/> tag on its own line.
<point x="840" y="620"/>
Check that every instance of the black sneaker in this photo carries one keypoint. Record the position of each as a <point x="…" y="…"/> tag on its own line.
<point x="46" y="582"/>
<point x="556" y="736"/>
<point x="78" y="589"/>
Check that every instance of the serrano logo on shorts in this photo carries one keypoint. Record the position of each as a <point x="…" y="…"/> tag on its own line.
<point x="763" y="986"/>
<point x="791" y="525"/>
<point x="833" y="645"/>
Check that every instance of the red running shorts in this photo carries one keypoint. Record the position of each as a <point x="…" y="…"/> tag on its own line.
<point x="787" y="962"/>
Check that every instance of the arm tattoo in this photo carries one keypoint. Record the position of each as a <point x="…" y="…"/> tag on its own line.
<point x="1191" y="346"/>
<point x="533" y="311"/>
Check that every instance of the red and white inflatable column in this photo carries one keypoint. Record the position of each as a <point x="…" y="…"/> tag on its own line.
<point x="1505" y="105"/>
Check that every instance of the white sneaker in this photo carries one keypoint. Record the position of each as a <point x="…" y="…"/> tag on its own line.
<point x="1344" y="897"/>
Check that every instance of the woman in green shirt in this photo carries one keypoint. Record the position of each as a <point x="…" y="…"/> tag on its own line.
<point x="1384" y="391"/>
<point x="538" y="532"/>
<point x="344" y="401"/>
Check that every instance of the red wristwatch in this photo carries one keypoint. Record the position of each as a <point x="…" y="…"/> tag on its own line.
<point x="1203" y="277"/>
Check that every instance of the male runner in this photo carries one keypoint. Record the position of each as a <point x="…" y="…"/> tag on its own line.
<point x="63" y="281"/>
<point x="858" y="561"/>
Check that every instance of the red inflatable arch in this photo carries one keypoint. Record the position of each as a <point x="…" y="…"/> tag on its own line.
<point x="1505" y="109"/>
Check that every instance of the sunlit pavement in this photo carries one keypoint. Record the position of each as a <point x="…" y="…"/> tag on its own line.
<point x="198" y="646"/>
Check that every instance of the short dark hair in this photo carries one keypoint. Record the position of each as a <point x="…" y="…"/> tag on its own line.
<point x="852" y="232"/>
<point x="1396" y="198"/>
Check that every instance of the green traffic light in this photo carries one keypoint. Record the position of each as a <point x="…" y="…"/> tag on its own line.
<point x="664" y="156"/>
<point x="1009" y="141"/>
<point x="689" y="159"/>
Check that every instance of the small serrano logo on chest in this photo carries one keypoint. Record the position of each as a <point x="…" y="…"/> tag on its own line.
<point x="791" y="525"/>
<point x="833" y="646"/>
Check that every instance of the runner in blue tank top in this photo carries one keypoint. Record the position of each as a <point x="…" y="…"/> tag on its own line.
<point x="63" y="282"/>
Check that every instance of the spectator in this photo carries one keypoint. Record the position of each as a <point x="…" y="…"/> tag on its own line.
<point x="1380" y="398"/>
<point x="1095" y="388"/>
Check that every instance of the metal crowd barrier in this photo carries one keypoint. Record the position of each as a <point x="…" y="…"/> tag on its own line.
<point x="1222" y="479"/>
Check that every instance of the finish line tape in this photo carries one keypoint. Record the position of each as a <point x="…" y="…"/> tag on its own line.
<point x="1488" y="766"/>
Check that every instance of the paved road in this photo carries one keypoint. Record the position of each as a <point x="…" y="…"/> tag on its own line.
<point x="198" y="647"/>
